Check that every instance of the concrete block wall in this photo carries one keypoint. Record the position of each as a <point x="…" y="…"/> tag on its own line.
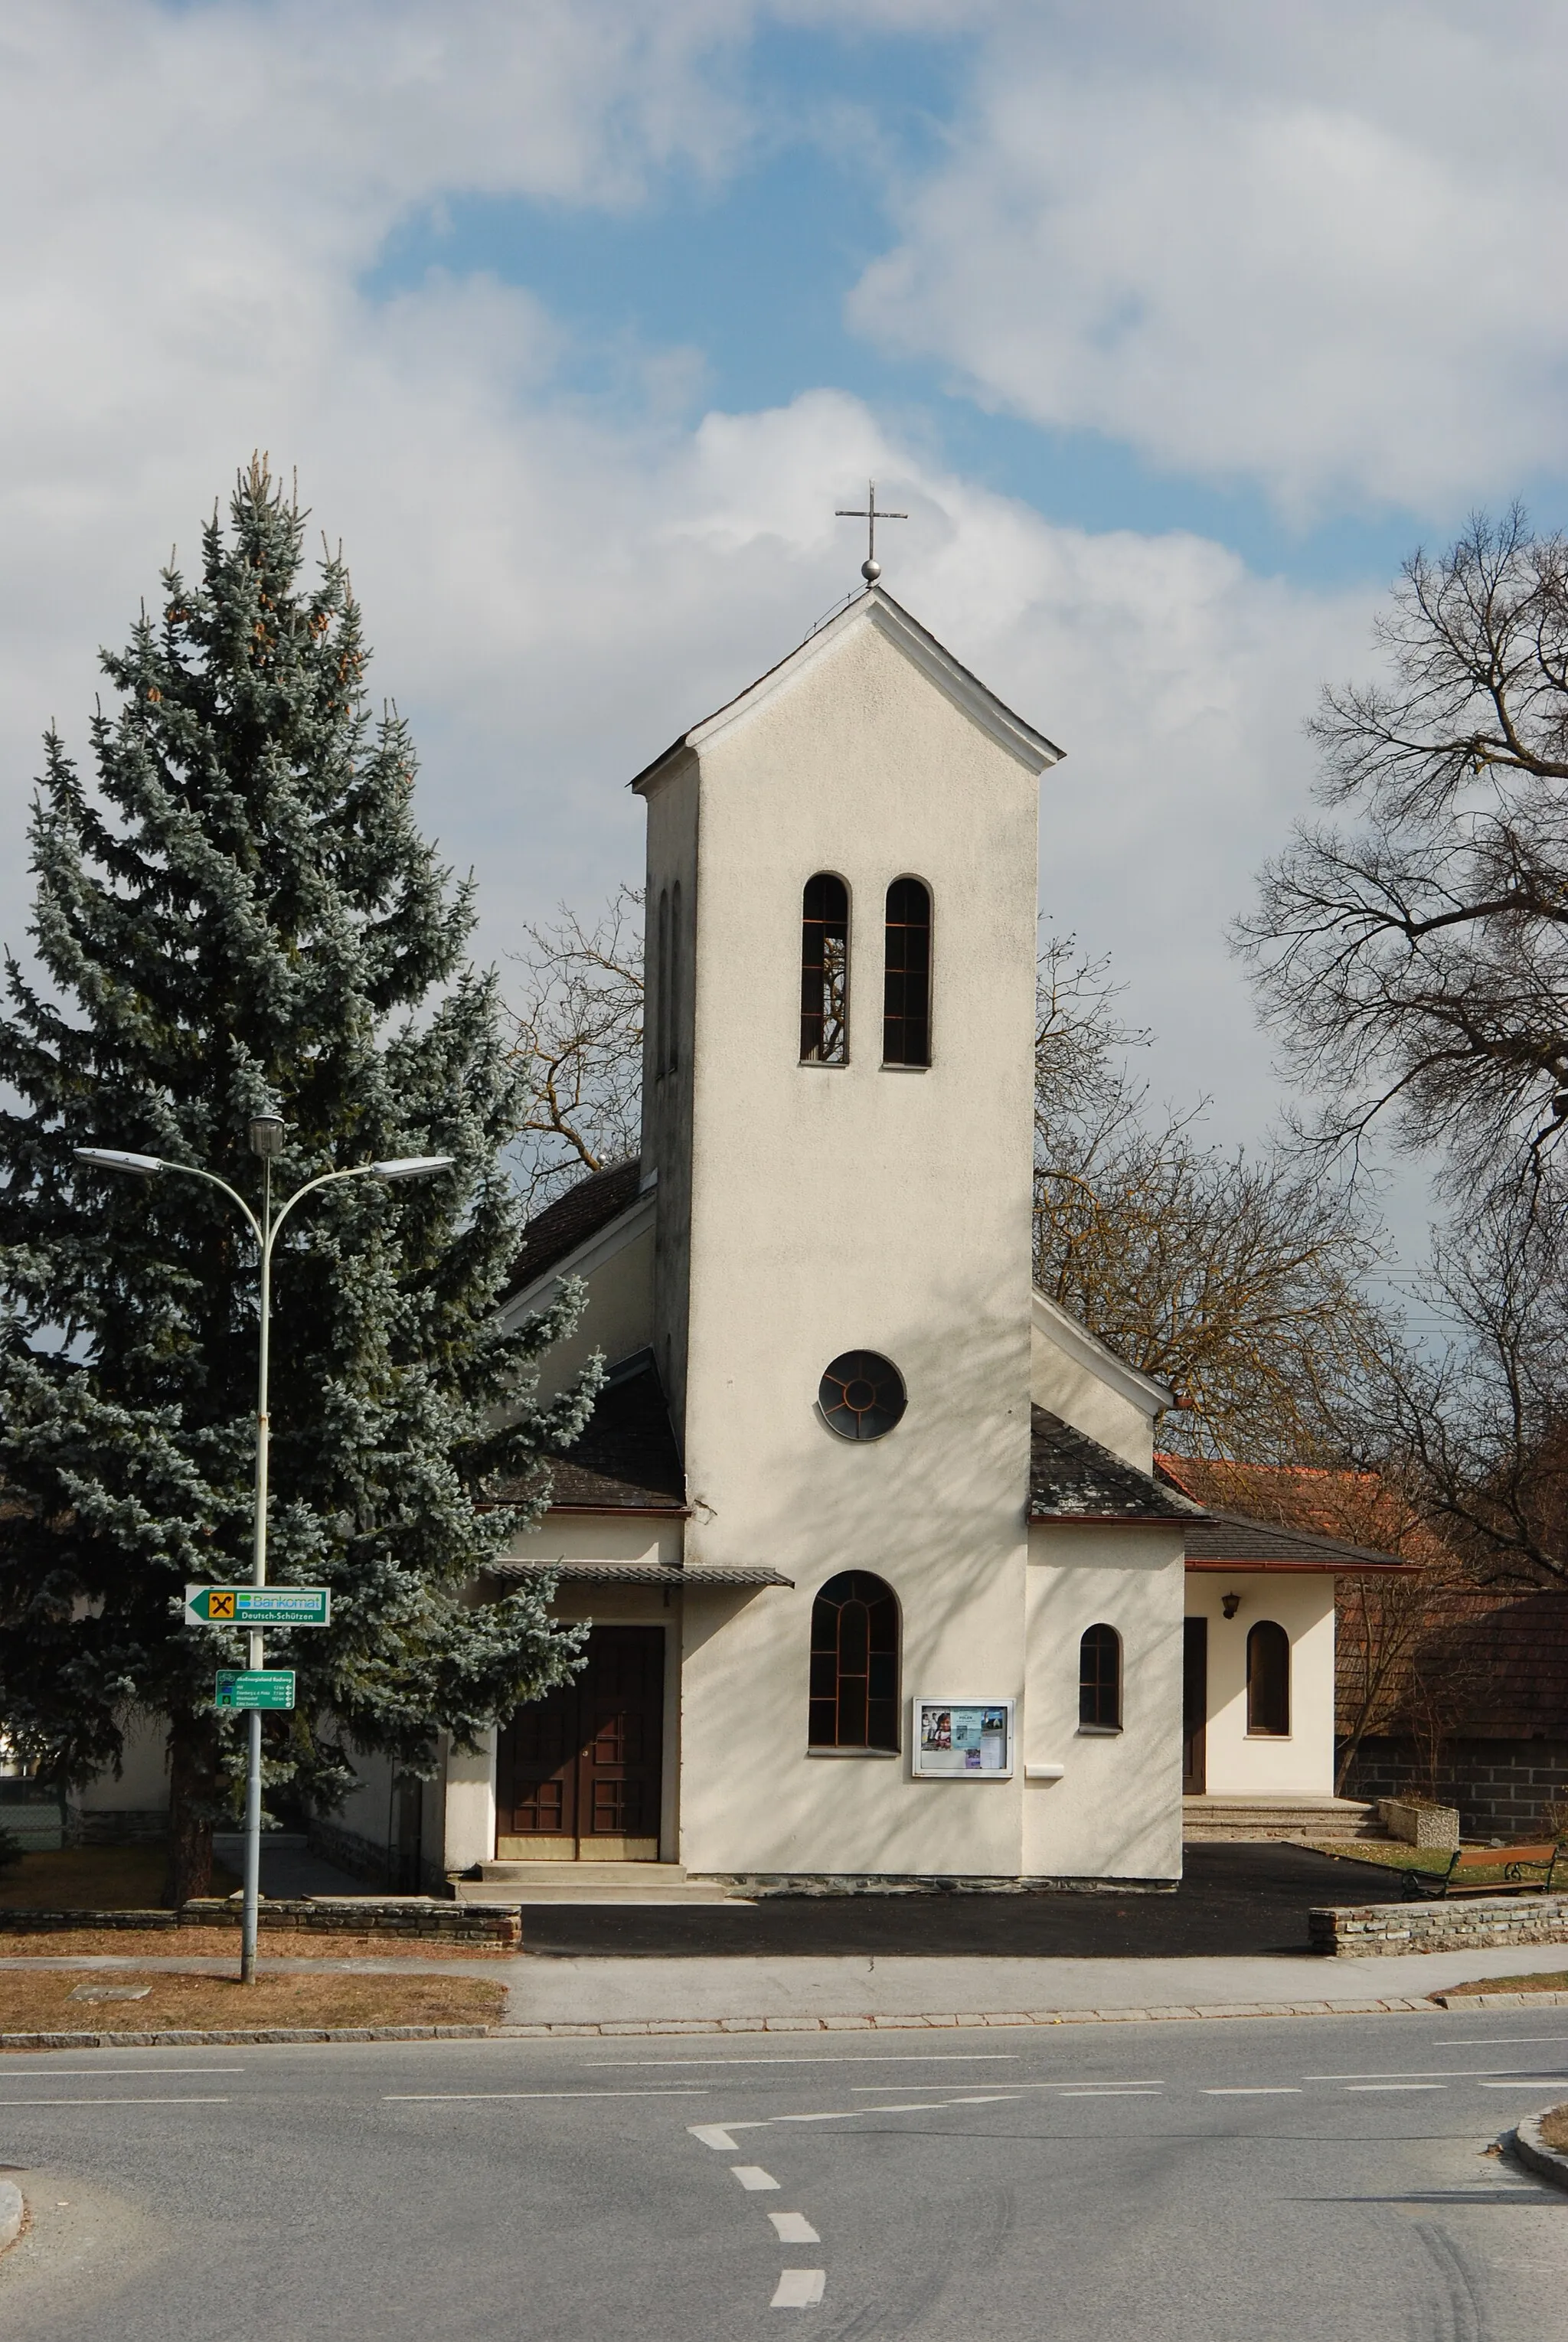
<point x="1501" y="1788"/>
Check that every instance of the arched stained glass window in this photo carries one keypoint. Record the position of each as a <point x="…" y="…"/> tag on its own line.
<point x="855" y="1664"/>
<point x="824" y="971"/>
<point x="1100" y="1679"/>
<point x="906" y="975"/>
<point x="1269" y="1680"/>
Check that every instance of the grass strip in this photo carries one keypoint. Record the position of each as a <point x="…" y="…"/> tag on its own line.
<point x="43" y="2003"/>
<point x="1555" y="1982"/>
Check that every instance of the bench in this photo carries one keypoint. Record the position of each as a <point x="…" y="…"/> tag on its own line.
<point x="1489" y="1870"/>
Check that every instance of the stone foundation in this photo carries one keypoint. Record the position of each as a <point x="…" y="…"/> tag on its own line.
<point x="414" y="1917"/>
<point x="1478" y="1923"/>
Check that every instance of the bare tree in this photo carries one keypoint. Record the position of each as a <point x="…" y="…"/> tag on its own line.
<point x="1417" y="966"/>
<point x="1479" y="1429"/>
<point x="1240" y="1281"/>
<point x="579" y="1031"/>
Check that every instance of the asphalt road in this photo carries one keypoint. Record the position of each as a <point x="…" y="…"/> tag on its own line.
<point x="1231" y="1900"/>
<point x="1254" y="2181"/>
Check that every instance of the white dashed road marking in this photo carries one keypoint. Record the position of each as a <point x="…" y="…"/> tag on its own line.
<point x="799" y="2290"/>
<point x="1257" y="2090"/>
<point x="794" y="2228"/>
<point x="711" y="2134"/>
<point x="1396" y="2085"/>
<point x="753" y="2177"/>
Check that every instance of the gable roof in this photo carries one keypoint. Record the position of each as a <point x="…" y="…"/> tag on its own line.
<point x="1229" y="1541"/>
<point x="625" y="1459"/>
<point x="1355" y="1509"/>
<point x="597" y="1199"/>
<point x="877" y="608"/>
<point x="1073" y="1478"/>
<point x="1086" y="1349"/>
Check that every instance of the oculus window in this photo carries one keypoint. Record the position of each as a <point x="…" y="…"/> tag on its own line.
<point x="855" y="1664"/>
<point x="1269" y="1681"/>
<point x="861" y="1396"/>
<point x="1100" y="1679"/>
<point x="824" y="971"/>
<point x="906" y="975"/>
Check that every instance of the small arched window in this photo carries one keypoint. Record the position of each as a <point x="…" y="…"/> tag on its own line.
<point x="1100" y="1679"/>
<point x="824" y="971"/>
<point x="906" y="975"/>
<point x="672" y="1051"/>
<point x="1269" y="1680"/>
<point x="855" y="1664"/>
<point x="661" y="989"/>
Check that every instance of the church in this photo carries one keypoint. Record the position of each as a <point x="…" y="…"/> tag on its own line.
<point x="886" y="1581"/>
<point x="883" y="1584"/>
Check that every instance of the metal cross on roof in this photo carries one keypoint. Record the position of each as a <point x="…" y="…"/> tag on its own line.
<point x="870" y="567"/>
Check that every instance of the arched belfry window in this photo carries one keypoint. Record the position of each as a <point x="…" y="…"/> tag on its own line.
<point x="1269" y="1680"/>
<point x="906" y="975"/>
<point x="1100" y="1680"/>
<point x="855" y="1664"/>
<point x="825" y="971"/>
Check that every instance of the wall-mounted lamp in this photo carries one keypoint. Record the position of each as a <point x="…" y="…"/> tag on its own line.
<point x="1230" y="1603"/>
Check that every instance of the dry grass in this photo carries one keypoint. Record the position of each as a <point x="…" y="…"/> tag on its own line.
<point x="42" y="2002"/>
<point x="224" y="1944"/>
<point x="1556" y="1981"/>
<point x="1555" y="2127"/>
<point x="94" y="1878"/>
<point x="1391" y="1854"/>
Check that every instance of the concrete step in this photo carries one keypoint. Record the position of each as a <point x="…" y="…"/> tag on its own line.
<point x="628" y="1883"/>
<point x="1295" y="1820"/>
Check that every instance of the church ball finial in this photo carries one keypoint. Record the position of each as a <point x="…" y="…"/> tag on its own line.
<point x="871" y="571"/>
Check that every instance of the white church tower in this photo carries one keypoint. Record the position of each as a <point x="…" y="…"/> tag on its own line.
<point x="838" y="1106"/>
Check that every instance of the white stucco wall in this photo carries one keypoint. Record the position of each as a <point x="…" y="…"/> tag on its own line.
<point x="1075" y="1377"/>
<point x="1241" y="1766"/>
<point x="617" y="1268"/>
<point x="1117" y="1810"/>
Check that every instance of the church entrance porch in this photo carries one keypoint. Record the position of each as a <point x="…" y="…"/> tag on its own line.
<point x="578" y="1773"/>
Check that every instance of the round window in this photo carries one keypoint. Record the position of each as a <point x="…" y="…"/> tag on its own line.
<point x="861" y="1396"/>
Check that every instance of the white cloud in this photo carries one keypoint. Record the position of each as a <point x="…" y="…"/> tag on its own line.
<point x="554" y="590"/>
<point x="1314" y="248"/>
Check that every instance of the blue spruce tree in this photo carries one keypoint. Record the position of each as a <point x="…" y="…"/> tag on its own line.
<point x="240" y="919"/>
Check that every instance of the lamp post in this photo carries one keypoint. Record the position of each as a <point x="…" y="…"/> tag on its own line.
<point x="266" y="1138"/>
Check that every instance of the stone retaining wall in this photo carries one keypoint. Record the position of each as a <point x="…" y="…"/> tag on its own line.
<point x="1474" y="1923"/>
<point x="447" y="1923"/>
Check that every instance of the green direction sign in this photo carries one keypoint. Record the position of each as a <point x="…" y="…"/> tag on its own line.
<point x="254" y="1687"/>
<point x="258" y="1605"/>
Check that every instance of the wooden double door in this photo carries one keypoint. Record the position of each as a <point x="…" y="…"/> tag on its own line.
<point x="578" y="1773"/>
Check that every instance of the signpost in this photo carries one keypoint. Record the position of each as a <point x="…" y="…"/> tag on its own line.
<point x="254" y="1687"/>
<point x="258" y="1605"/>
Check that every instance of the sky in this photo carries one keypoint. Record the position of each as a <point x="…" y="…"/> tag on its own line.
<point x="1173" y="326"/>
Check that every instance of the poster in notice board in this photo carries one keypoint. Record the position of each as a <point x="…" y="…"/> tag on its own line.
<point x="964" y="1739"/>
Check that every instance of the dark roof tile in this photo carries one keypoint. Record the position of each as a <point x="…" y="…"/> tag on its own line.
<point x="573" y="1218"/>
<point x="1073" y="1477"/>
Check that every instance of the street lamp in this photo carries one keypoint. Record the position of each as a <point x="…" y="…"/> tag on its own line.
<point x="266" y="1138"/>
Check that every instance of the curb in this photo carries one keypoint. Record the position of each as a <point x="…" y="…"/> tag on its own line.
<point x="187" y="2037"/>
<point x="634" y="2027"/>
<point x="13" y="2212"/>
<point x="624" y="2028"/>
<point x="1456" y="2000"/>
<point x="1546" y="2161"/>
